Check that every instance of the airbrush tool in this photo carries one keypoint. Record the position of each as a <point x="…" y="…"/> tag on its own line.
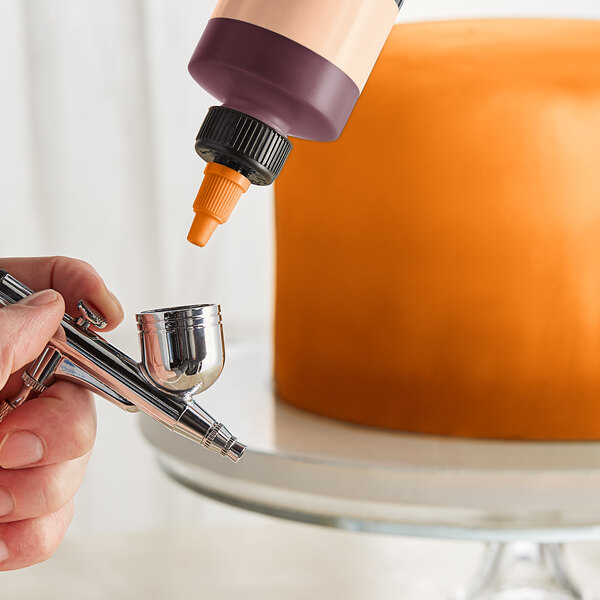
<point x="182" y="355"/>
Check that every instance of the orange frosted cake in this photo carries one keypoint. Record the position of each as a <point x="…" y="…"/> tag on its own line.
<point x="438" y="267"/>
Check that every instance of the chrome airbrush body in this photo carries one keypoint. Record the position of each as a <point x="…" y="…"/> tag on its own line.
<point x="182" y="355"/>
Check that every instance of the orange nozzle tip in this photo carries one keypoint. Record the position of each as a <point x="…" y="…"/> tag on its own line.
<point x="221" y="188"/>
<point x="202" y="228"/>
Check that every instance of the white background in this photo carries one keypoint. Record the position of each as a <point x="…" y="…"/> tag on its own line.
<point x="98" y="117"/>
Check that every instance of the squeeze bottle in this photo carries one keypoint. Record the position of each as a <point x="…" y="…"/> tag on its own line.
<point x="279" y="68"/>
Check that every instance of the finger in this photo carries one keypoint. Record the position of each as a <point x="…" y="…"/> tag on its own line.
<point x="25" y="329"/>
<point x="59" y="425"/>
<point x="25" y="543"/>
<point x="14" y="385"/>
<point x="75" y="279"/>
<point x="29" y="493"/>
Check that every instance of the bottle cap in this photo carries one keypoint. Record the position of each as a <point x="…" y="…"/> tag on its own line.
<point x="221" y="188"/>
<point x="243" y="143"/>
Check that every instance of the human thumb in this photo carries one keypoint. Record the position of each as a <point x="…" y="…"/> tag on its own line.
<point x="26" y="328"/>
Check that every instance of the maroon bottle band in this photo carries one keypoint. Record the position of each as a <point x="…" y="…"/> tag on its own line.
<point x="274" y="79"/>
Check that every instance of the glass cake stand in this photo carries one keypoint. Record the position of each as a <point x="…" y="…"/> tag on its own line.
<point x="523" y="499"/>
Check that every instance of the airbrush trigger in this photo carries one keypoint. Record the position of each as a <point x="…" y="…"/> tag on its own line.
<point x="90" y="317"/>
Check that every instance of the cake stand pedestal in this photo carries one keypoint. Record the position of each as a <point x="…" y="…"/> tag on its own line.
<point x="523" y="499"/>
<point x="522" y="571"/>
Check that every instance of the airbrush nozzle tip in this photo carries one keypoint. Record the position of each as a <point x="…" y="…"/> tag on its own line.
<point x="236" y="451"/>
<point x="198" y="426"/>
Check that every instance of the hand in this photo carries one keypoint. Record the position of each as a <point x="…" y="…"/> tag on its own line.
<point x="46" y="443"/>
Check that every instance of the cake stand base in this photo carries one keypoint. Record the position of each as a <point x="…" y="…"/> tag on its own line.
<point x="522" y="571"/>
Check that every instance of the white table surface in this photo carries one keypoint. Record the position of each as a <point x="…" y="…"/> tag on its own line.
<point x="266" y="559"/>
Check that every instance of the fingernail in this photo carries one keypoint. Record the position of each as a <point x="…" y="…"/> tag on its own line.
<point x="20" y="449"/>
<point x="3" y="551"/>
<point x="7" y="504"/>
<point x="40" y="298"/>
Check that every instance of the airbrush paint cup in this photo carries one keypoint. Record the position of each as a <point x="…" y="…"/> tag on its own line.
<point x="280" y="69"/>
